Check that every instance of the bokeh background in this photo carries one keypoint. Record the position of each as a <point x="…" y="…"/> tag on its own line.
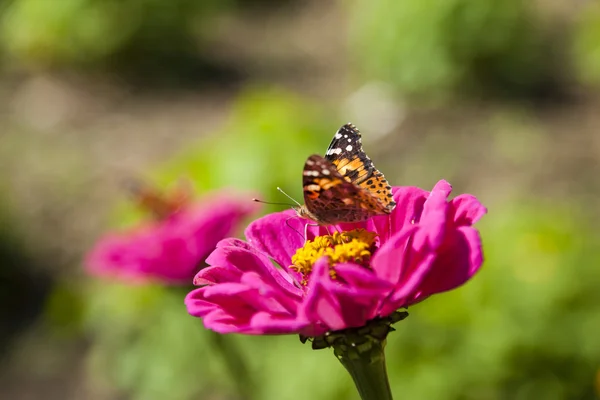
<point x="500" y="98"/>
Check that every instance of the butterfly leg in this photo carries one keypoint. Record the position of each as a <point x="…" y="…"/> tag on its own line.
<point x="306" y="231"/>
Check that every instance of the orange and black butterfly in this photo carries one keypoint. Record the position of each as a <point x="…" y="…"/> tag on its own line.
<point x="344" y="186"/>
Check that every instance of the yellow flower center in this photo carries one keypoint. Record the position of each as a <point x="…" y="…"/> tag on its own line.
<point x="353" y="246"/>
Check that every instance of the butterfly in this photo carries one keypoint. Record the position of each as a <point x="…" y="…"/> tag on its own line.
<point x="160" y="205"/>
<point x="344" y="186"/>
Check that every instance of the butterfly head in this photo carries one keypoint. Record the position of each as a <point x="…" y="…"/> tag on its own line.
<point x="303" y="212"/>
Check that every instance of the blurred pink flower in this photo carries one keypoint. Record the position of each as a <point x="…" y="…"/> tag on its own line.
<point x="172" y="248"/>
<point x="332" y="282"/>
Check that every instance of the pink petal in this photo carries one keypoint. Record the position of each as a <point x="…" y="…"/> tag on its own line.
<point x="433" y="219"/>
<point x="232" y="309"/>
<point x="410" y="285"/>
<point x="237" y="255"/>
<point x="320" y="306"/>
<point x="388" y="261"/>
<point x="217" y="274"/>
<point x="223" y="322"/>
<point x="356" y="306"/>
<point x="409" y="206"/>
<point x="196" y="304"/>
<point x="361" y="279"/>
<point x="172" y="250"/>
<point x="268" y="324"/>
<point x="278" y="298"/>
<point x="356" y="310"/>
<point x="457" y="261"/>
<point x="466" y="209"/>
<point x="279" y="235"/>
<point x="224" y="292"/>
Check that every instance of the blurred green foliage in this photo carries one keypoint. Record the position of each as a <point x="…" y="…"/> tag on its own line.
<point x="89" y="32"/>
<point x="586" y="46"/>
<point x="430" y="48"/>
<point x="147" y="346"/>
<point x="245" y="154"/>
<point x="426" y="49"/>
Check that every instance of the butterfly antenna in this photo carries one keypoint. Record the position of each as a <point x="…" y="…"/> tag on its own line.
<point x="276" y="204"/>
<point x="288" y="196"/>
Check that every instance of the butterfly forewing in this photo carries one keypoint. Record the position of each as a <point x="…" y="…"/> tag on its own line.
<point x="346" y="153"/>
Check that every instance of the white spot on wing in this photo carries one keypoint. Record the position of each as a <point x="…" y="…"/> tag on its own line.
<point x="349" y="148"/>
<point x="325" y="172"/>
<point x="338" y="135"/>
<point x="310" y="173"/>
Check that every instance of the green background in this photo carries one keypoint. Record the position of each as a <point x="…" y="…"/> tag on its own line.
<point x="500" y="99"/>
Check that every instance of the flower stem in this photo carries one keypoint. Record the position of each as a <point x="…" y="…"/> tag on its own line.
<point x="367" y="369"/>
<point x="360" y="350"/>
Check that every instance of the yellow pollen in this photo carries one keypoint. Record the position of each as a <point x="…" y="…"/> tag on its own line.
<point x="352" y="246"/>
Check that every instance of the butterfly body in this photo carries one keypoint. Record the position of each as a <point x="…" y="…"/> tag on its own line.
<point x="344" y="186"/>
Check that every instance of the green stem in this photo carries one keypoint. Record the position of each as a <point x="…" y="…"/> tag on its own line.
<point x="367" y="368"/>
<point x="360" y="350"/>
<point x="235" y="362"/>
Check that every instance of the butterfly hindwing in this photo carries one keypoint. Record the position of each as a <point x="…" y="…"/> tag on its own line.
<point x="330" y="198"/>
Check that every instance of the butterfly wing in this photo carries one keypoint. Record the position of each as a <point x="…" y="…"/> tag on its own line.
<point x="330" y="198"/>
<point x="345" y="152"/>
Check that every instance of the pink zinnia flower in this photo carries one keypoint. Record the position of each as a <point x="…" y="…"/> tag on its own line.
<point x="333" y="282"/>
<point x="172" y="247"/>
